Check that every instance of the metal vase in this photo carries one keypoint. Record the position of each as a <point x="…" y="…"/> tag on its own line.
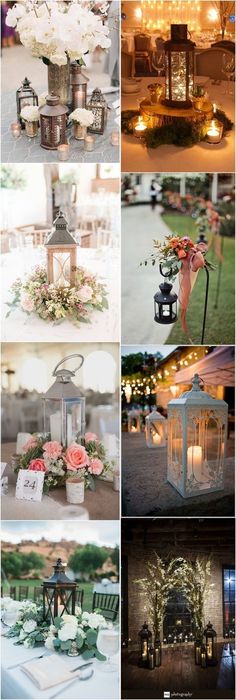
<point x="59" y="81"/>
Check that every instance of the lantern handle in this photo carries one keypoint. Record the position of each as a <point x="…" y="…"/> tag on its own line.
<point x="69" y="357"/>
<point x="165" y="274"/>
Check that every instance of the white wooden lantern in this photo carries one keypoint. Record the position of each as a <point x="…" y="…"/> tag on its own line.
<point x="156" y="429"/>
<point x="134" y="423"/>
<point x="61" y="254"/>
<point x="197" y="434"/>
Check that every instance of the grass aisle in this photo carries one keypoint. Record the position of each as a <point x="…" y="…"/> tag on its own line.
<point x="220" y="322"/>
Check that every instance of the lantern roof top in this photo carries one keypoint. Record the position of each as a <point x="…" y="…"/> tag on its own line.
<point x="60" y="234"/>
<point x="197" y="397"/>
<point x="63" y="387"/>
<point x="59" y="575"/>
<point x="155" y="416"/>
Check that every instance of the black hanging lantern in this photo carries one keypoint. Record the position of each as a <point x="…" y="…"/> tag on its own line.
<point x="53" y="119"/>
<point x="25" y="97"/>
<point x="98" y="107"/>
<point x="59" y="594"/>
<point x="78" y="83"/>
<point x="201" y="238"/>
<point x="157" y="652"/>
<point x="211" y="639"/>
<point x="165" y="303"/>
<point x="145" y="641"/>
<point x="179" y="67"/>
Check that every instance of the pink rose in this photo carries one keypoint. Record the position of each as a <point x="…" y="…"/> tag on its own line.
<point x="37" y="465"/>
<point x="85" y="293"/>
<point x="96" y="466"/>
<point x="76" y="457"/>
<point x="91" y="437"/>
<point x="52" y="449"/>
<point x="27" y="303"/>
<point x="32" y="442"/>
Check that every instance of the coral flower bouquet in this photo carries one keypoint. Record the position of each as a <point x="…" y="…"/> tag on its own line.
<point x="85" y="457"/>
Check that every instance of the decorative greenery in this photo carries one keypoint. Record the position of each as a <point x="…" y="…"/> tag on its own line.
<point x="30" y="627"/>
<point x="176" y="249"/>
<point x="192" y="579"/>
<point x="15" y="564"/>
<point x="87" y="559"/>
<point x="11" y="178"/>
<point x="179" y="132"/>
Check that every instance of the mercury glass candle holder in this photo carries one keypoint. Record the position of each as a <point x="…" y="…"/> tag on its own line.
<point x="79" y="131"/>
<point x="15" y="130"/>
<point x="63" y="151"/>
<point x="214" y="132"/>
<point x="89" y="142"/>
<point x="31" y="129"/>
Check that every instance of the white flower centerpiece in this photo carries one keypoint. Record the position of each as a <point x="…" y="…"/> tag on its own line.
<point x="59" y="32"/>
<point x="81" y="118"/>
<point x="30" y="115"/>
<point x="25" y="622"/>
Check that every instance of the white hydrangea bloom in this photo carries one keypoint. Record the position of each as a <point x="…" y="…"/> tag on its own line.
<point x="29" y="626"/>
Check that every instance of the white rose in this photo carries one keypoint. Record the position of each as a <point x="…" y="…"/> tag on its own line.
<point x="49" y="642"/>
<point x="22" y="635"/>
<point x="29" y="626"/>
<point x="59" y="59"/>
<point x="69" y="618"/>
<point x="95" y="620"/>
<point x="68" y="631"/>
<point x="85" y="293"/>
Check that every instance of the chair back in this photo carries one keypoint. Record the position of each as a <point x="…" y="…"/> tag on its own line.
<point x="23" y="592"/>
<point x="108" y="603"/>
<point x="126" y="64"/>
<point x="225" y="44"/>
<point x="13" y="592"/>
<point x="79" y="597"/>
<point x="103" y="237"/>
<point x="142" y="42"/>
<point x="209" y="62"/>
<point x="38" y="594"/>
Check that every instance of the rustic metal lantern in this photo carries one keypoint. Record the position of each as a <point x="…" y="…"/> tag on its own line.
<point x="211" y="649"/>
<point x="145" y="636"/>
<point x="61" y="254"/>
<point x="165" y="304"/>
<point x="98" y="107"/>
<point x="64" y="407"/>
<point x="156" y="429"/>
<point x="53" y="119"/>
<point x="78" y="83"/>
<point x="134" y="422"/>
<point x="203" y="656"/>
<point x="25" y="96"/>
<point x="157" y="652"/>
<point x="197" y="434"/>
<point x="197" y="651"/>
<point x="179" y="67"/>
<point x="59" y="594"/>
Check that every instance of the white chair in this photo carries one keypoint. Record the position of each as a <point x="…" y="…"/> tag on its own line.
<point x="210" y="61"/>
<point x="104" y="238"/>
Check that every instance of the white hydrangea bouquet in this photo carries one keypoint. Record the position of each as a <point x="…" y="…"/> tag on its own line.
<point x="30" y="114"/>
<point x="28" y="624"/>
<point x="57" y="31"/>
<point x="84" y="117"/>
<point x="77" y="632"/>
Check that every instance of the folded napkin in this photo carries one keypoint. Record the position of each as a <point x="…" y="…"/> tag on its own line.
<point x="48" y="671"/>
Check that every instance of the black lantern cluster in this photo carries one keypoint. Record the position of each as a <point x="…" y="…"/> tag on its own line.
<point x="150" y="654"/>
<point x="165" y="302"/>
<point x="179" y="67"/>
<point x="25" y="97"/>
<point x="59" y="594"/>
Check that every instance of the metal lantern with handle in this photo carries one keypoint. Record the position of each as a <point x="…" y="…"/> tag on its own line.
<point x="59" y="594"/>
<point x="211" y="648"/>
<point x="145" y="637"/>
<point x="64" y="407"/>
<point x="156" y="429"/>
<point x="53" y="120"/>
<point x="197" y="434"/>
<point x="61" y="254"/>
<point x="25" y="97"/>
<point x="179" y="67"/>
<point x="134" y="422"/>
<point x="78" y="82"/>
<point x="98" y="107"/>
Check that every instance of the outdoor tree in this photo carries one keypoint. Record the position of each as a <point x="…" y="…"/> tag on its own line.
<point x="87" y="559"/>
<point x="115" y="557"/>
<point x="224" y="8"/>
<point x="17" y="564"/>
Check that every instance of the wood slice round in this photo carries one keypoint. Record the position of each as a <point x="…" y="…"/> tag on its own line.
<point x="159" y="113"/>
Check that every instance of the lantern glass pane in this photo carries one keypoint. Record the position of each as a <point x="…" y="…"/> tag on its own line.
<point x="205" y="449"/>
<point x="156" y="433"/>
<point x="175" y="448"/>
<point x="166" y="310"/>
<point x="61" y="269"/>
<point x="64" y="419"/>
<point x="26" y="101"/>
<point x="178" y="75"/>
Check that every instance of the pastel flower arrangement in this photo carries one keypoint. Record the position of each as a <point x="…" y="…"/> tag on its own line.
<point x="84" y="117"/>
<point x="85" y="457"/>
<point x="57" y="31"/>
<point x="30" y="114"/>
<point x="51" y="303"/>
<point x="81" y="630"/>
<point x="176" y="251"/>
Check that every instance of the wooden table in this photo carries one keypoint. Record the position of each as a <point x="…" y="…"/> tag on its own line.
<point x="103" y="504"/>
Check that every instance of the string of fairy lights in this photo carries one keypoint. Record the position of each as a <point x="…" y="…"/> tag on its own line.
<point x="144" y="386"/>
<point x="157" y="15"/>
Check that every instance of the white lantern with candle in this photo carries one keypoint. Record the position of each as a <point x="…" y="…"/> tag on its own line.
<point x="134" y="423"/>
<point x="197" y="434"/>
<point x="64" y="407"/>
<point x="156" y="429"/>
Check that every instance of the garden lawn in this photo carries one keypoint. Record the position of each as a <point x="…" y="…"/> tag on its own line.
<point x="87" y="588"/>
<point x="220" y="322"/>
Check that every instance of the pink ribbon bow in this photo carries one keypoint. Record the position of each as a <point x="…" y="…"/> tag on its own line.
<point x="187" y="274"/>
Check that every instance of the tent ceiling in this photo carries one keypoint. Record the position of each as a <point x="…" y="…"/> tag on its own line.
<point x="215" y="368"/>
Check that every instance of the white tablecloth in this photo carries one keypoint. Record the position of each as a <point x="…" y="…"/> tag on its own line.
<point x="20" y="327"/>
<point x="15" y="683"/>
<point x="202" y="157"/>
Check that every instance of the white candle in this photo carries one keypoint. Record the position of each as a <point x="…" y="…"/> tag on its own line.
<point x="156" y="438"/>
<point x="55" y="426"/>
<point x="21" y="440"/>
<point x="140" y="127"/>
<point x="194" y="459"/>
<point x="69" y="429"/>
<point x="213" y="133"/>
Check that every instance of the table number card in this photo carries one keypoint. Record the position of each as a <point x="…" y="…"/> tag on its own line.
<point x="29" y="485"/>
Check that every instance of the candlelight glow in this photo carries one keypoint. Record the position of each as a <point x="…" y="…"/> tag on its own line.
<point x="212" y="14"/>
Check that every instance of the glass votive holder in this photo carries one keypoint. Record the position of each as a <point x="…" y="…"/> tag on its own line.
<point x="139" y="127"/>
<point x="63" y="151"/>
<point x="89" y="143"/>
<point x="214" y="132"/>
<point x="15" y="130"/>
<point x="79" y="131"/>
<point x="31" y="129"/>
<point x="115" y="138"/>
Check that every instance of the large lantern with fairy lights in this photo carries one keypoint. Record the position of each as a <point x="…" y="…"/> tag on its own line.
<point x="156" y="429"/>
<point x="53" y="120"/>
<point x="211" y="640"/>
<point x="145" y="637"/>
<point x="197" y="434"/>
<point x="61" y="254"/>
<point x="134" y="422"/>
<point x="59" y="594"/>
<point x="64" y="407"/>
<point x="25" y="97"/>
<point x="179" y="67"/>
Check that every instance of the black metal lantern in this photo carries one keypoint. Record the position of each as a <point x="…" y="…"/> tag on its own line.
<point x="197" y="651"/>
<point x="53" y="119"/>
<point x="157" y="651"/>
<point x="59" y="594"/>
<point x="145" y="641"/>
<point x="78" y="83"/>
<point x="165" y="304"/>
<point x="203" y="656"/>
<point x="179" y="67"/>
<point x="201" y="238"/>
<point x="98" y="107"/>
<point x="211" y="639"/>
<point x="25" y="96"/>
